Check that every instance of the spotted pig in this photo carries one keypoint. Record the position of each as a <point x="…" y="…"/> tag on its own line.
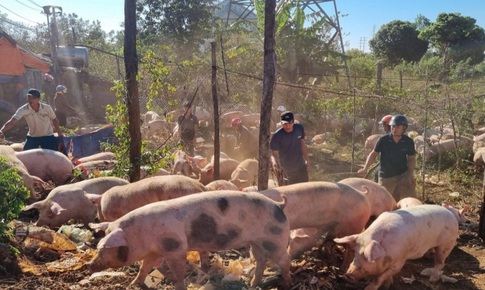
<point x="208" y="221"/>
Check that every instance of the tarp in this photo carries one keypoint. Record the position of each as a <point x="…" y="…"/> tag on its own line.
<point x="14" y="60"/>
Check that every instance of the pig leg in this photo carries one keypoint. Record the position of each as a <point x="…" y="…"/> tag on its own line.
<point x="260" y="257"/>
<point x="204" y="261"/>
<point x="147" y="264"/>
<point x="282" y="259"/>
<point x="386" y="277"/>
<point x="176" y="264"/>
<point x="441" y="252"/>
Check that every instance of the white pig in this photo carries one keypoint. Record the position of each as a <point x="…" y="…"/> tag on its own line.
<point x="324" y="206"/>
<point x="408" y="202"/>
<point x="47" y="164"/>
<point x="226" y="167"/>
<point x="395" y="237"/>
<point x="180" y="163"/>
<point x="245" y="173"/>
<point x="96" y="157"/>
<point x="29" y="180"/>
<point x="118" y="201"/>
<point x="68" y="201"/>
<point x="379" y="198"/>
<point x="209" y="221"/>
<point x="221" y="185"/>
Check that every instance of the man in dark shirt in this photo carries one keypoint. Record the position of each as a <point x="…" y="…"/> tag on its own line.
<point x="188" y="127"/>
<point x="398" y="160"/>
<point x="289" y="149"/>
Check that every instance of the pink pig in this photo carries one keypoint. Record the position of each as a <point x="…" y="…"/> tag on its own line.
<point x="395" y="237"/>
<point x="321" y="207"/>
<point x="208" y="221"/>
<point x="379" y="198"/>
<point x="47" y="164"/>
<point x="119" y="200"/>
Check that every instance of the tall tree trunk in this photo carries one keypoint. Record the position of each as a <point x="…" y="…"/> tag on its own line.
<point x="268" y="88"/>
<point x="133" y="102"/>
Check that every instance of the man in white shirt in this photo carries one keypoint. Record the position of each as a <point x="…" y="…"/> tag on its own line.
<point x="41" y="120"/>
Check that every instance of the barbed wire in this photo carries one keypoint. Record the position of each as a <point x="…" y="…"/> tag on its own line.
<point x="18" y="14"/>
<point x="26" y="5"/>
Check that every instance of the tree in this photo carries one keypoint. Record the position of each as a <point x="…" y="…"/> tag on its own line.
<point x="397" y="41"/>
<point x="186" y="22"/>
<point x="456" y="38"/>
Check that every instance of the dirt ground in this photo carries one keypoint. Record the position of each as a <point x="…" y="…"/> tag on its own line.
<point x="314" y="270"/>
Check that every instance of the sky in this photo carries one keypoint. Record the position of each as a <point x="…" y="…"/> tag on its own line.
<point x="359" y="20"/>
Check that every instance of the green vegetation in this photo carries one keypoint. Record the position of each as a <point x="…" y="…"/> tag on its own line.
<point x="13" y="194"/>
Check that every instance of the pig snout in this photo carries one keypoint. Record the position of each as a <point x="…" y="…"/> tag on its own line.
<point x="349" y="276"/>
<point x="108" y="258"/>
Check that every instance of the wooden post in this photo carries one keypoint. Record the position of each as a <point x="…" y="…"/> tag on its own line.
<point x="268" y="88"/>
<point x="133" y="102"/>
<point x="481" y="224"/>
<point x="215" y="100"/>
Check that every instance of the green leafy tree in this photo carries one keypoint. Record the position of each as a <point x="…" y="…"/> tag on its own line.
<point x="303" y="41"/>
<point x="186" y="23"/>
<point x="456" y="38"/>
<point x="398" y="41"/>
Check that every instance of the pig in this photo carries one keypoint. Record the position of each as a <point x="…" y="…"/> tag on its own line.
<point x="379" y="198"/>
<point x="221" y="185"/>
<point x="68" y="201"/>
<point x="226" y="167"/>
<point x="408" y="202"/>
<point x="323" y="206"/>
<point x="180" y="163"/>
<point x="458" y="213"/>
<point x="245" y="173"/>
<point x="47" y="164"/>
<point x="91" y="166"/>
<point x="29" y="180"/>
<point x="120" y="200"/>
<point x="209" y="221"/>
<point x="96" y="157"/>
<point x="479" y="159"/>
<point x="370" y="142"/>
<point x="146" y="171"/>
<point x="271" y="184"/>
<point x="395" y="237"/>
<point x="17" y="146"/>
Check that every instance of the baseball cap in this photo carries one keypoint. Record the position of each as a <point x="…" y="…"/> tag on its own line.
<point x="287" y="117"/>
<point x="34" y="93"/>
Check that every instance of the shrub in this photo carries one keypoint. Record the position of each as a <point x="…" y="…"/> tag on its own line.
<point x="13" y="193"/>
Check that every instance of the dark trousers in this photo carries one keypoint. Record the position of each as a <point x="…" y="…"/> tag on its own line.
<point x="45" y="142"/>
<point x="298" y="176"/>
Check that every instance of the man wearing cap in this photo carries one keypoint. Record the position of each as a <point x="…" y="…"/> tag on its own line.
<point x="188" y="127"/>
<point x="41" y="120"/>
<point x="289" y="149"/>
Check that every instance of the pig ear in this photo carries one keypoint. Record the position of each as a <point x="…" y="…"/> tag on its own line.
<point x="190" y="158"/>
<point x="115" y="239"/>
<point x="346" y="240"/>
<point x="94" y="198"/>
<point x="373" y="251"/>
<point x="56" y="208"/>
<point x="37" y="205"/>
<point x="210" y="170"/>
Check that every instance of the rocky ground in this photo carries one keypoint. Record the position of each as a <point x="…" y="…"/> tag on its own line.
<point x="316" y="269"/>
